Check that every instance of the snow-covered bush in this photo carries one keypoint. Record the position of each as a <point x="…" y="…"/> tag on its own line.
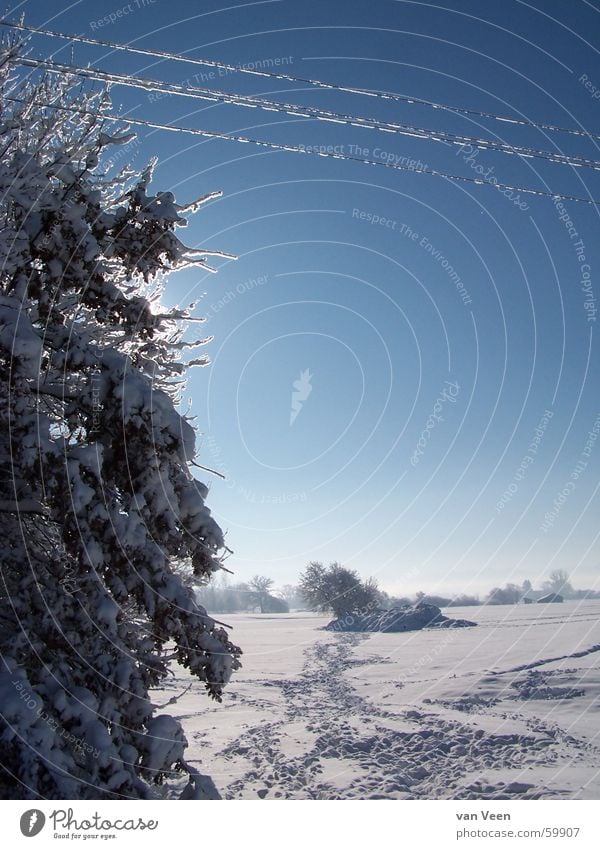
<point x="97" y="500"/>
<point x="338" y="589"/>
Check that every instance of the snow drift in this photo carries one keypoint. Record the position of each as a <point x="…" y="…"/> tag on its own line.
<point x="397" y="619"/>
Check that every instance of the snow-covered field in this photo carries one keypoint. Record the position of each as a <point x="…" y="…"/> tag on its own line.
<point x="510" y="709"/>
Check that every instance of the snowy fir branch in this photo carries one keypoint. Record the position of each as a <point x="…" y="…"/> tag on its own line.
<point x="98" y="504"/>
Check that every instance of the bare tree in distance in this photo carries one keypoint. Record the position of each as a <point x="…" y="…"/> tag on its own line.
<point x="261" y="585"/>
<point x="559" y="583"/>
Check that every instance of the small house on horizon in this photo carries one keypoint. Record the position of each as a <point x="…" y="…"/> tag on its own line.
<point x="551" y="598"/>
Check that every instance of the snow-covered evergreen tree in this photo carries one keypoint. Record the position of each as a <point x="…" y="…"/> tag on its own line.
<point x="97" y="499"/>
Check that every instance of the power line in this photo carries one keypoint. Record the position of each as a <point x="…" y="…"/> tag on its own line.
<point x="401" y="98"/>
<point x="309" y="112"/>
<point x="311" y="152"/>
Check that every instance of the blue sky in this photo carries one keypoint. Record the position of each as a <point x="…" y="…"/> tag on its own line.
<point x="413" y="305"/>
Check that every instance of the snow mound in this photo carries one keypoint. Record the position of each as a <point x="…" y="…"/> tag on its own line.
<point x="398" y="619"/>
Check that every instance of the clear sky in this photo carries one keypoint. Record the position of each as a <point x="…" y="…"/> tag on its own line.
<point x="404" y="369"/>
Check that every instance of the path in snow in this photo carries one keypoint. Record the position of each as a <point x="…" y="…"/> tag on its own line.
<point x="493" y="712"/>
<point x="356" y="751"/>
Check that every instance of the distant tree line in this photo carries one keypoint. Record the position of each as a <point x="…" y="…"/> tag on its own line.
<point x="558" y="583"/>
<point x="338" y="590"/>
<point x="255" y="596"/>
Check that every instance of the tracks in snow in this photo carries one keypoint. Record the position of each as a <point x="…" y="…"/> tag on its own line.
<point x="347" y="747"/>
<point x="535" y="663"/>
